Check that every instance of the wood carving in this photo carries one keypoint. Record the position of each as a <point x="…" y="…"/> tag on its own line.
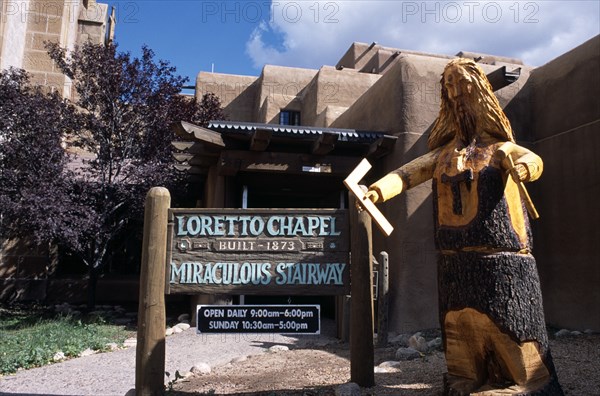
<point x="489" y="292"/>
<point x="351" y="183"/>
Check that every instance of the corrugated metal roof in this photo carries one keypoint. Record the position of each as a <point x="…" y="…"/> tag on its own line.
<point x="350" y="135"/>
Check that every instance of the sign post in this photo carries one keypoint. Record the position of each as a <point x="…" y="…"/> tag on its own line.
<point x="150" y="349"/>
<point x="362" y="352"/>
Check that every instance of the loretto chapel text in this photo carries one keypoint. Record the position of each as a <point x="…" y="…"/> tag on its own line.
<point x="258" y="249"/>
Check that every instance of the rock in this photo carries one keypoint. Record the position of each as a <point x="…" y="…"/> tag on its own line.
<point x="562" y="333"/>
<point x="201" y="368"/>
<point x="589" y="331"/>
<point x="403" y="354"/>
<point x="58" y="356"/>
<point x="63" y="308"/>
<point x="122" y="321"/>
<point x="177" y="330"/>
<point x="576" y="333"/>
<point x="87" y="352"/>
<point x="183" y="326"/>
<point x="130" y="342"/>
<point x="239" y="359"/>
<point x="278" y="348"/>
<point x="183" y="317"/>
<point x="130" y="392"/>
<point x="417" y="342"/>
<point x="349" y="389"/>
<point x="389" y="366"/>
<point x="435" y="344"/>
<point x="112" y="346"/>
<point x="97" y="312"/>
<point x="389" y="363"/>
<point x="401" y="339"/>
<point x="169" y="331"/>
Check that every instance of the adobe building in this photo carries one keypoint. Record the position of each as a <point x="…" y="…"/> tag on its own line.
<point x="26" y="25"/>
<point x="293" y="135"/>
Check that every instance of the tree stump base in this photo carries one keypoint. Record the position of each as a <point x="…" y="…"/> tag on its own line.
<point x="493" y="326"/>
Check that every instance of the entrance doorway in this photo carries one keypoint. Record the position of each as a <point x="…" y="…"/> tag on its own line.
<point x="310" y="191"/>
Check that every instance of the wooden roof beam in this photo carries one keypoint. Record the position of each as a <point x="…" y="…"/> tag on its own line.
<point x="260" y="139"/>
<point x="325" y="143"/>
<point x="206" y="136"/>
<point x="382" y="146"/>
<point x="192" y="170"/>
<point x="232" y="161"/>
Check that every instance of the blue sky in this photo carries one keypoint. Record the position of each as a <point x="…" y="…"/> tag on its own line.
<point x="239" y="37"/>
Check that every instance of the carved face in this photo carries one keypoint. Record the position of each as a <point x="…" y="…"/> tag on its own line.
<point x="458" y="83"/>
<point x="460" y="87"/>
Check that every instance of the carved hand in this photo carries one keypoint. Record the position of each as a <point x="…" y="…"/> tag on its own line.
<point x="520" y="173"/>
<point x="373" y="195"/>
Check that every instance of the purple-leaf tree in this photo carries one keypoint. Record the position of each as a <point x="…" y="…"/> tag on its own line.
<point x="37" y="203"/>
<point x="127" y="107"/>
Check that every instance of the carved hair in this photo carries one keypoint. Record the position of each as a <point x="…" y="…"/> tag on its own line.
<point x="490" y="118"/>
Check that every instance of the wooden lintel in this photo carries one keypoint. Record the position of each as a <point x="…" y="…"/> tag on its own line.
<point x="204" y="135"/>
<point x="325" y="143"/>
<point x="232" y="161"/>
<point x="382" y="146"/>
<point x="260" y="139"/>
<point x="203" y="160"/>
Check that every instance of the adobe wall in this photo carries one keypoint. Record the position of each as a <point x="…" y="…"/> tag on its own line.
<point x="566" y="133"/>
<point x="281" y="88"/>
<point x="237" y="93"/>
<point x="405" y="103"/>
<point x="334" y="89"/>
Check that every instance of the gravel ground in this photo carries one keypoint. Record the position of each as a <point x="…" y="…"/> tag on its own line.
<point x="113" y="373"/>
<point x="314" y="365"/>
<point x="319" y="372"/>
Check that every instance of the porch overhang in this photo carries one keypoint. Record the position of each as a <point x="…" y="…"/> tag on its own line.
<point x="251" y="147"/>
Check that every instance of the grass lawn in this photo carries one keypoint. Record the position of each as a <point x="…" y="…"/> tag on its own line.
<point x="30" y="336"/>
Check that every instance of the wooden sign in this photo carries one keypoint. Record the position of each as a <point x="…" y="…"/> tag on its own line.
<point x="258" y="251"/>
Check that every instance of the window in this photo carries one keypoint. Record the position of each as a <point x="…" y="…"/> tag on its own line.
<point x="289" y="117"/>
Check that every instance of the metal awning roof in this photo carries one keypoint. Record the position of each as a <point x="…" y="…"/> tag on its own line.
<point x="345" y="135"/>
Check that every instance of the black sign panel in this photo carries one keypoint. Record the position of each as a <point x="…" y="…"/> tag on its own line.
<point x="286" y="319"/>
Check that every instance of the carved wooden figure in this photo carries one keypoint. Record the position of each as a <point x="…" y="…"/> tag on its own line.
<point x="489" y="292"/>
